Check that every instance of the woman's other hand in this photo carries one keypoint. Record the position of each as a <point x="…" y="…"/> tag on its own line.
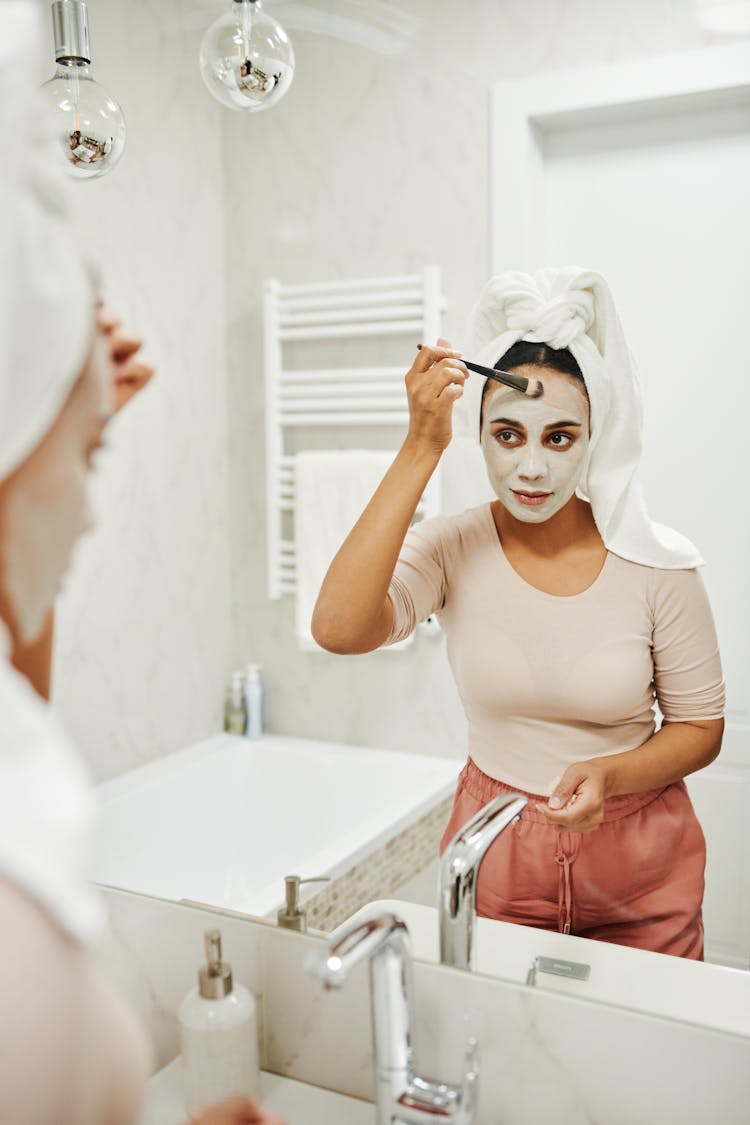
<point x="236" y="1111"/>
<point x="433" y="383"/>
<point x="576" y="803"/>
<point x="130" y="373"/>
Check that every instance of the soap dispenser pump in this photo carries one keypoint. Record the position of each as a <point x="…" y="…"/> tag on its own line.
<point x="219" y="1034"/>
<point x="292" y="916"/>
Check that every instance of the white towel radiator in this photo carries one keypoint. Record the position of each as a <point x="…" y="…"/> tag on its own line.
<point x="410" y="305"/>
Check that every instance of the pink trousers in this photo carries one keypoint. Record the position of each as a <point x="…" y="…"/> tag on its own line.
<point x="637" y="880"/>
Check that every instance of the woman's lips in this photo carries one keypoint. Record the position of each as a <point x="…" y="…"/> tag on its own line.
<point x="532" y="499"/>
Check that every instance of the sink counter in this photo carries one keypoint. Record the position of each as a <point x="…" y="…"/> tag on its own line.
<point x="545" y="1056"/>
<point x="296" y="1102"/>
<point x="692" y="991"/>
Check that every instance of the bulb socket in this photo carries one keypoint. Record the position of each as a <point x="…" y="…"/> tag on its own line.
<point x="70" y="27"/>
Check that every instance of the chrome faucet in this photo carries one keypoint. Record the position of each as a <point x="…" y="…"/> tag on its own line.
<point x="459" y="867"/>
<point x="402" y="1098"/>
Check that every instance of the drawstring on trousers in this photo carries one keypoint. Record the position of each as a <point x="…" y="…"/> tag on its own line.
<point x="565" y="857"/>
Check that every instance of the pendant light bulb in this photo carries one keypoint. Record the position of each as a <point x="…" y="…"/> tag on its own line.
<point x="88" y="123"/>
<point x="246" y="58"/>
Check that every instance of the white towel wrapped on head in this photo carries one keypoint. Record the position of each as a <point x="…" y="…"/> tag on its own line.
<point x="573" y="308"/>
<point x="332" y="489"/>
<point x="46" y="330"/>
<point x="47" y="299"/>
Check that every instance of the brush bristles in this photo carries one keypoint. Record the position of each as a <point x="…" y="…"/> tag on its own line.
<point x="535" y="389"/>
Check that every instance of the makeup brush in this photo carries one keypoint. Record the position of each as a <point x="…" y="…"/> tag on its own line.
<point x="532" y="388"/>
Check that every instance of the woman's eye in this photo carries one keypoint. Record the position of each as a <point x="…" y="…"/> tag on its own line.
<point x="506" y="437"/>
<point x="560" y="440"/>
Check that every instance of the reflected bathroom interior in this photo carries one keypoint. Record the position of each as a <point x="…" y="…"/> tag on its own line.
<point x="285" y="201"/>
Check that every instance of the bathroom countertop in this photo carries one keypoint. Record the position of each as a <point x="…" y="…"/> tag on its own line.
<point x="677" y="988"/>
<point x="296" y="1102"/>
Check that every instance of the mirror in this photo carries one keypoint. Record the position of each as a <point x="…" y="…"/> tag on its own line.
<point x="373" y="166"/>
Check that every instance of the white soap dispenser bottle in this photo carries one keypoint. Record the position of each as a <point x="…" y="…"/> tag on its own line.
<point x="219" y="1035"/>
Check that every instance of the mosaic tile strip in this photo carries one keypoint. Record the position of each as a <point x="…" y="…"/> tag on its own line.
<point x="379" y="874"/>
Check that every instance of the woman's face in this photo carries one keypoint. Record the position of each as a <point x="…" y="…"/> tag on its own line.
<point x="44" y="502"/>
<point x="535" y="449"/>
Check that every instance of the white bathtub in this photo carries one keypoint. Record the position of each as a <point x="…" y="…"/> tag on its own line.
<point x="225" y="820"/>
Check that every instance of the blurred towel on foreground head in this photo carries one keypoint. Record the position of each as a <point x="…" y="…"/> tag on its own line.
<point x="46" y="295"/>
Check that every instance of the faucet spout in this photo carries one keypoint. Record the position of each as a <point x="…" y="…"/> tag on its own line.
<point x="349" y="945"/>
<point x="382" y="940"/>
<point x="459" y="868"/>
<point x="402" y="1097"/>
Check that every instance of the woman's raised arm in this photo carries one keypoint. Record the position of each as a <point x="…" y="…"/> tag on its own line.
<point x="353" y="613"/>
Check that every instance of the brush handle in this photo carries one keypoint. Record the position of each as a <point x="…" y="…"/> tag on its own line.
<point x="518" y="382"/>
<point x="507" y="378"/>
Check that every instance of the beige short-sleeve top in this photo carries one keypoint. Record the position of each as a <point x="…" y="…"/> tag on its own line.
<point x="547" y="681"/>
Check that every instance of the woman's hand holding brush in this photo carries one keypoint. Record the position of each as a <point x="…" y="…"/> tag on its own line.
<point x="433" y="384"/>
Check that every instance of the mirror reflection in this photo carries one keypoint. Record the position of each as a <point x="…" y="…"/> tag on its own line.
<point x="567" y="614"/>
<point x="472" y="647"/>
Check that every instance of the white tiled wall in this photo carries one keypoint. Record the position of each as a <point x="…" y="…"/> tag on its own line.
<point x="143" y="628"/>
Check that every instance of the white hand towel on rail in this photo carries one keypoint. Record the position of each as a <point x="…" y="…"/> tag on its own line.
<point x="331" y="490"/>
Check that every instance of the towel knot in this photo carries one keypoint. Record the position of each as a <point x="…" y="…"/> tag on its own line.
<point x="542" y="315"/>
<point x="554" y="322"/>
<point x="548" y="307"/>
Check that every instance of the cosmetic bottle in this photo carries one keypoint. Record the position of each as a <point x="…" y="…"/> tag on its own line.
<point x="218" y="1035"/>
<point x="235" y="711"/>
<point x="253" y="702"/>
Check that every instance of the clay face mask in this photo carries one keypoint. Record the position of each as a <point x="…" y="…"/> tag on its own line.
<point x="535" y="449"/>
<point x="44" y="503"/>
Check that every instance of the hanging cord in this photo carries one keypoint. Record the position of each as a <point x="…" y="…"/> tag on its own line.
<point x="565" y="856"/>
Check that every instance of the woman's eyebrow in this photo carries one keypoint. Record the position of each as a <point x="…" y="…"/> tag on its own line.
<point x="520" y="425"/>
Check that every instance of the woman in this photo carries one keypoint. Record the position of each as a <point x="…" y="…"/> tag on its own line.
<point x="70" y="1052"/>
<point x="130" y="375"/>
<point x="567" y="614"/>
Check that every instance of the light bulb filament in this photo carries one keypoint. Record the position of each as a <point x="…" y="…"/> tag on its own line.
<point x="75" y="86"/>
<point x="247" y="27"/>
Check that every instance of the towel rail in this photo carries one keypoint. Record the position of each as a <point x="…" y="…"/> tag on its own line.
<point x="343" y="316"/>
<point x="329" y="407"/>
<point x="327" y="391"/>
<point x="347" y="419"/>
<point x="357" y="394"/>
<point x="291" y="306"/>
<point x="307" y="377"/>
<point x="306" y="288"/>
<point x="374" y="395"/>
<point x="346" y="330"/>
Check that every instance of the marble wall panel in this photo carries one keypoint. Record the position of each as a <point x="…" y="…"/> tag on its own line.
<point x="143" y="625"/>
